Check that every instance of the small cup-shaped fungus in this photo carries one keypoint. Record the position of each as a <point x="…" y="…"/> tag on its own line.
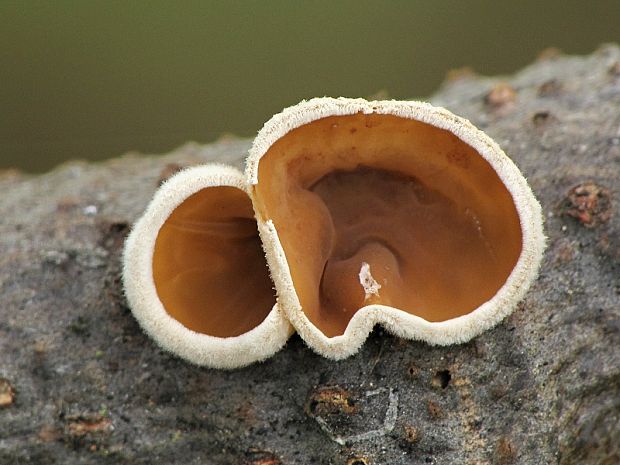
<point x="195" y="273"/>
<point x="394" y="212"/>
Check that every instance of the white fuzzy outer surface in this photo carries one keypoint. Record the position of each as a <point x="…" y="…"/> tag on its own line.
<point x="231" y="352"/>
<point x="398" y="322"/>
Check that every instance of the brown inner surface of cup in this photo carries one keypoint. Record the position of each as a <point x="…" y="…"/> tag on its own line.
<point x="209" y="267"/>
<point x="378" y="209"/>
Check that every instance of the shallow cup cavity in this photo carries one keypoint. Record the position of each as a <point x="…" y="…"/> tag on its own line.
<point x="195" y="272"/>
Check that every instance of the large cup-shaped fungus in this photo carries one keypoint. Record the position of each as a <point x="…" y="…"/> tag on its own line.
<point x="397" y="213"/>
<point x="195" y="272"/>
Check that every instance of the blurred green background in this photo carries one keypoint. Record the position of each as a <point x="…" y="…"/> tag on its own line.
<point x="94" y="79"/>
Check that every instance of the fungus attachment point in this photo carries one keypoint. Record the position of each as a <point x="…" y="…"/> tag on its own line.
<point x="397" y="213"/>
<point x="195" y="272"/>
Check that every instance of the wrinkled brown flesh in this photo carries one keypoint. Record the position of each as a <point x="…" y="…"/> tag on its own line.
<point x="208" y="265"/>
<point x="431" y="218"/>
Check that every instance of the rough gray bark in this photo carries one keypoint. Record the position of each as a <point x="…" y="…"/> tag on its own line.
<point x="82" y="384"/>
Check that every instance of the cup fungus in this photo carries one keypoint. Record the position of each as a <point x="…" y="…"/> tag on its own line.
<point x="395" y="213"/>
<point x="195" y="272"/>
<point x="391" y="212"/>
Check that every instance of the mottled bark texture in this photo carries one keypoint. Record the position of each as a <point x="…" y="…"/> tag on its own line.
<point x="80" y="383"/>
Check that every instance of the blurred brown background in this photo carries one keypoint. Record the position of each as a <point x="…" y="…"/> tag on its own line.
<point x="93" y="80"/>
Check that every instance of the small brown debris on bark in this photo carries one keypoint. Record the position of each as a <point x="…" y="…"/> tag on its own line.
<point x="411" y="434"/>
<point x="614" y="69"/>
<point x="7" y="393"/>
<point x="329" y="400"/>
<point x="81" y="425"/>
<point x="501" y="97"/>
<point x="434" y="410"/>
<point x="589" y="203"/>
